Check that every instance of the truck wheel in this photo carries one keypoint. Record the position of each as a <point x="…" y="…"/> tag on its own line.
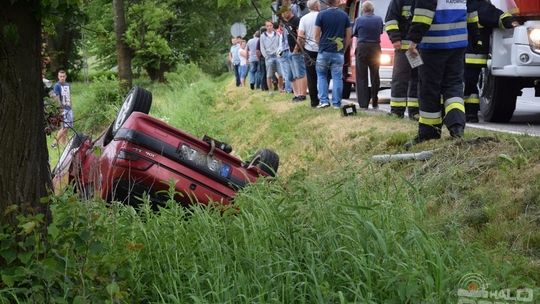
<point x="347" y="86"/>
<point x="137" y="100"/>
<point x="266" y="160"/>
<point x="497" y="97"/>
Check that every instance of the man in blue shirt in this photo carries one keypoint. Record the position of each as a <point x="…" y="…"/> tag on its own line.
<point x="333" y="34"/>
<point x="62" y="93"/>
<point x="368" y="29"/>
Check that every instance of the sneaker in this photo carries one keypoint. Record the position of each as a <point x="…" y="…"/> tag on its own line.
<point x="302" y="97"/>
<point x="296" y="98"/>
<point x="472" y="118"/>
<point x="323" y="105"/>
<point x="456" y="131"/>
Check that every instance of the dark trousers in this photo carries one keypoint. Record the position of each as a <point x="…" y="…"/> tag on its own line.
<point x="262" y="71"/>
<point x="441" y="74"/>
<point x="237" y="74"/>
<point x="404" y="90"/>
<point x="472" y="100"/>
<point x="367" y="57"/>
<point x="310" y="59"/>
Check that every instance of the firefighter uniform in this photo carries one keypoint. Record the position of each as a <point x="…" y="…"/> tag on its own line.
<point x="476" y="57"/>
<point x="404" y="90"/>
<point x="440" y="28"/>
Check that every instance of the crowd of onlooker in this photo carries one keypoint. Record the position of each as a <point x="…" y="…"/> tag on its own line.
<point x="282" y="56"/>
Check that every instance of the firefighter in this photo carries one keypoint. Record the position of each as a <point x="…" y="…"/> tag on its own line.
<point x="439" y="34"/>
<point x="476" y="57"/>
<point x="404" y="90"/>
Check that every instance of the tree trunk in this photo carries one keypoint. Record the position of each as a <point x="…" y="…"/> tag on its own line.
<point x="59" y="47"/>
<point x="24" y="169"/>
<point x="123" y="53"/>
<point x="158" y="74"/>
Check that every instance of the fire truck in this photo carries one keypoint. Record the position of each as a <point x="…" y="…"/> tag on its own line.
<point x="353" y="8"/>
<point x="514" y="62"/>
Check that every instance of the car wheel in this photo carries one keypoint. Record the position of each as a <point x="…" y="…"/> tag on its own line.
<point x="498" y="97"/>
<point x="65" y="158"/>
<point x="347" y="87"/>
<point x="137" y="100"/>
<point x="266" y="160"/>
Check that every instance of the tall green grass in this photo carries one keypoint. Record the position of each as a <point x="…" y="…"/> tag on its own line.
<point x="343" y="231"/>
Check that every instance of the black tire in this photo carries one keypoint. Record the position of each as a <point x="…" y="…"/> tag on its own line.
<point x="498" y="96"/>
<point x="137" y="100"/>
<point x="266" y="160"/>
<point x="347" y="87"/>
<point x="74" y="142"/>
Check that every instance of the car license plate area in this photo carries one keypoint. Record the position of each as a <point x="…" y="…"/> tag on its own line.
<point x="204" y="161"/>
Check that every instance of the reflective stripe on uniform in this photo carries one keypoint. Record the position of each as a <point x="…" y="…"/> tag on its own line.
<point x="505" y="15"/>
<point x="448" y="26"/>
<point x="405" y="44"/>
<point x="454" y="103"/>
<point x="422" y="15"/>
<point x="444" y="39"/>
<point x="476" y="59"/>
<point x="391" y="25"/>
<point x="412" y="102"/>
<point x="422" y="19"/>
<point x="472" y="99"/>
<point x="430" y="118"/>
<point x="406" y="11"/>
<point x="398" y="101"/>
<point x="472" y="17"/>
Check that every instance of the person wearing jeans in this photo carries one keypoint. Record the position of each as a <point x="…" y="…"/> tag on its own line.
<point x="254" y="78"/>
<point x="332" y="26"/>
<point x="332" y="61"/>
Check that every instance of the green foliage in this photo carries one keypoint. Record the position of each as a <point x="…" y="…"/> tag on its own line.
<point x="162" y="34"/>
<point x="96" y="104"/>
<point x="354" y="233"/>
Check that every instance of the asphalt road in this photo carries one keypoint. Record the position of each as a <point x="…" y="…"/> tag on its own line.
<point x="526" y="119"/>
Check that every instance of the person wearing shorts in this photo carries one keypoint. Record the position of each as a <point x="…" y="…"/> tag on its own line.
<point x="269" y="42"/>
<point x="62" y="93"/>
<point x="296" y="58"/>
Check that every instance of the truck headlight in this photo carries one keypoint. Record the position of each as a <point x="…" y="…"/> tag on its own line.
<point x="385" y="59"/>
<point x="534" y="39"/>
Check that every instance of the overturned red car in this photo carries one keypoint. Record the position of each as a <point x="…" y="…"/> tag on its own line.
<point x="140" y="155"/>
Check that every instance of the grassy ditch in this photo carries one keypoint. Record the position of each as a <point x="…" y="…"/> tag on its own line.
<point x="334" y="227"/>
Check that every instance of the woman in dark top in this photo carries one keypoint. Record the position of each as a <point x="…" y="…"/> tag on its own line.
<point x="367" y="29"/>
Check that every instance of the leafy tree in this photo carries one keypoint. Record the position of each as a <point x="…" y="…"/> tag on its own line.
<point x="163" y="33"/>
<point x="62" y="35"/>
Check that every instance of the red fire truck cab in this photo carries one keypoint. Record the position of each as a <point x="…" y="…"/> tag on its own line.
<point x="353" y="8"/>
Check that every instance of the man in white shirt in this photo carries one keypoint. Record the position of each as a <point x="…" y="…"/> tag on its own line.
<point x="306" y="37"/>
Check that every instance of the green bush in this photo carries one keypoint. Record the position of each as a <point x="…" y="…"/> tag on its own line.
<point x="96" y="104"/>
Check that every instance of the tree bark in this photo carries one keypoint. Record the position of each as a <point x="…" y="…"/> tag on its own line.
<point x="158" y="74"/>
<point x="59" y="48"/>
<point x="123" y="53"/>
<point x="24" y="168"/>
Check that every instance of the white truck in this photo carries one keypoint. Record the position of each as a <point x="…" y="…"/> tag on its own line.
<point x="514" y="63"/>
